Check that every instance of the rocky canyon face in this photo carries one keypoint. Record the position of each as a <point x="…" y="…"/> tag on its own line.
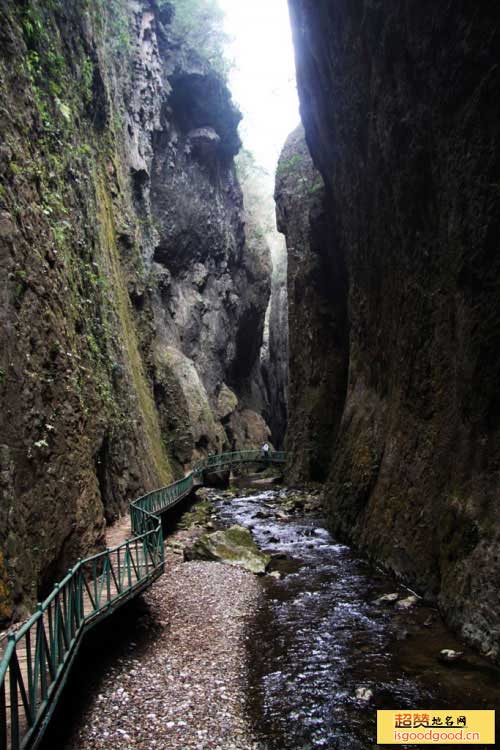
<point x="318" y="346"/>
<point x="270" y="380"/>
<point x="400" y="108"/>
<point x="132" y="308"/>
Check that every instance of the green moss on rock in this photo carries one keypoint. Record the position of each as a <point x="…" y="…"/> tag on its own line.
<point x="234" y="546"/>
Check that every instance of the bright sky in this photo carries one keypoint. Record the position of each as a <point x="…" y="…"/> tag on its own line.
<point x="263" y="82"/>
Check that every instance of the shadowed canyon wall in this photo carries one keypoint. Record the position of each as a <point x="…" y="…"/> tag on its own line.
<point x="401" y="114"/>
<point x="258" y="189"/>
<point x="318" y="347"/>
<point x="274" y="353"/>
<point x="132" y="309"/>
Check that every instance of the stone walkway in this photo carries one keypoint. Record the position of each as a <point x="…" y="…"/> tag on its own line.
<point x="184" y="687"/>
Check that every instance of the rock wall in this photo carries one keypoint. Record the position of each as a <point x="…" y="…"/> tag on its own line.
<point x="402" y="120"/>
<point x="318" y="339"/>
<point x="209" y="283"/>
<point x="269" y="385"/>
<point x="131" y="312"/>
<point x="275" y="352"/>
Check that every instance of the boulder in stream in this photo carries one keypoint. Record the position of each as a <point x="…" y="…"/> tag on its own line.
<point x="387" y="599"/>
<point x="198" y="516"/>
<point x="407" y="603"/>
<point x="234" y="546"/>
<point x="448" y="655"/>
<point x="364" y="694"/>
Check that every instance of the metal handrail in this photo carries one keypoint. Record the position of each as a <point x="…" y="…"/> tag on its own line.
<point x="38" y="656"/>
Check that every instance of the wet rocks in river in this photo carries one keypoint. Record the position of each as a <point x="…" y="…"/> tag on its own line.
<point x="394" y="599"/>
<point x="387" y="599"/>
<point x="198" y="517"/>
<point x="364" y="694"/>
<point x="234" y="546"/>
<point x="408" y="603"/>
<point x="448" y="655"/>
<point x="299" y="503"/>
<point x="402" y="634"/>
<point x="205" y="493"/>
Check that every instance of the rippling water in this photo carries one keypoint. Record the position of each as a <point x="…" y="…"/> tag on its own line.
<point x="319" y="637"/>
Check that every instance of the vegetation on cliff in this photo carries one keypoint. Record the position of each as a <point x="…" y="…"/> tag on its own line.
<point x="200" y="24"/>
<point x="100" y="117"/>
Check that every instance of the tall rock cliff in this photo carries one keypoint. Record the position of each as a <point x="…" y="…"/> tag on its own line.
<point x="275" y="352"/>
<point x="272" y="376"/>
<point x="401" y="113"/>
<point x="318" y="346"/>
<point x="132" y="310"/>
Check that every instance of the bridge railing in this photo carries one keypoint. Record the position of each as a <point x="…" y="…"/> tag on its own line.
<point x="39" y="654"/>
<point x="221" y="460"/>
<point x="37" y="657"/>
<point x="143" y="509"/>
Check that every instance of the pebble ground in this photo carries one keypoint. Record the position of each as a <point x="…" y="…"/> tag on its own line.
<point x="187" y="689"/>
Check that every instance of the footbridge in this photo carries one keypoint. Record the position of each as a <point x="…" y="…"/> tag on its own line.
<point x="37" y="658"/>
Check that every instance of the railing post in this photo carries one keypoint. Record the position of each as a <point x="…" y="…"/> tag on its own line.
<point x="79" y="593"/>
<point x="41" y="653"/>
<point x="127" y="558"/>
<point x="145" y="550"/>
<point x="119" y="582"/>
<point x="70" y="607"/>
<point x="3" y="717"/>
<point x="94" y="577"/>
<point x="29" y="669"/>
<point x="14" y="703"/>
<point x="108" y="575"/>
<point x="54" y="640"/>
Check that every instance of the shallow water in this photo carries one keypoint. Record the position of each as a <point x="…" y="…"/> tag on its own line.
<point x="318" y="637"/>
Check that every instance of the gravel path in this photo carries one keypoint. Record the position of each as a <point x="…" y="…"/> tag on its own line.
<point x="185" y="689"/>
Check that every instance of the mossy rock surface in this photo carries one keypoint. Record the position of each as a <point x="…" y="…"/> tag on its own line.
<point x="234" y="546"/>
<point x="198" y="516"/>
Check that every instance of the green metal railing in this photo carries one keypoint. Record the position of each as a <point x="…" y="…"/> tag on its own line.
<point x="37" y="658"/>
<point x="225" y="460"/>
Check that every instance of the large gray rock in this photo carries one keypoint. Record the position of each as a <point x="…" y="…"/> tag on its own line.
<point x="234" y="546"/>
<point x="248" y="430"/>
<point x="227" y="401"/>
<point x="196" y="421"/>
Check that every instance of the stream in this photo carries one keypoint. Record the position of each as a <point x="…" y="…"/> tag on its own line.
<point x="322" y="654"/>
<point x="319" y="637"/>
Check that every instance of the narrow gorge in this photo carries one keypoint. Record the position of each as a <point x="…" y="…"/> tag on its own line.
<point x="134" y="301"/>
<point x="248" y="382"/>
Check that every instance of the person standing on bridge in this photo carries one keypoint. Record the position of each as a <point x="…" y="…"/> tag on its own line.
<point x="265" y="451"/>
